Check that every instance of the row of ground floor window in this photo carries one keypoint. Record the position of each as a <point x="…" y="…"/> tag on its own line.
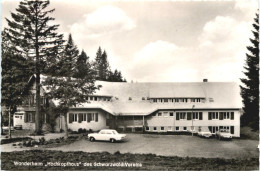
<point x="212" y="129"/>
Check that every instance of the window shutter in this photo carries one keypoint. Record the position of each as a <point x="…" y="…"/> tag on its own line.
<point x="33" y="117"/>
<point x="200" y="116"/>
<point x="232" y="130"/>
<point x="80" y="117"/>
<point x="96" y="117"/>
<point x="188" y="116"/>
<point x="177" y="116"/>
<point x="232" y="115"/>
<point x="25" y="117"/>
<point x="89" y="117"/>
<point x="209" y="116"/>
<point x="70" y="117"/>
<point x="220" y="115"/>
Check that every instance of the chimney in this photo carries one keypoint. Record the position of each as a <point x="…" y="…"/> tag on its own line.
<point x="205" y="80"/>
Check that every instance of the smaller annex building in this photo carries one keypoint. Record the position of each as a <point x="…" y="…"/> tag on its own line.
<point x="154" y="107"/>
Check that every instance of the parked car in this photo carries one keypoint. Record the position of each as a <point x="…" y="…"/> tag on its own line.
<point x="206" y="134"/>
<point x="224" y="134"/>
<point x="107" y="135"/>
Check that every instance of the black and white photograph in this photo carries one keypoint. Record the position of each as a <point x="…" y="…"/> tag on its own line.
<point x="129" y="85"/>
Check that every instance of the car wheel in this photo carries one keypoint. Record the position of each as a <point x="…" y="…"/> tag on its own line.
<point x="92" y="139"/>
<point x="112" y="140"/>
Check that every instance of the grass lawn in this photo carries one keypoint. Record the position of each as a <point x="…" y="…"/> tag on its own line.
<point x="82" y="160"/>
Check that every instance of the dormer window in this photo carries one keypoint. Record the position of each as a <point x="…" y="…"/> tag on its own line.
<point x="130" y="98"/>
<point x="143" y="98"/>
<point x="211" y="100"/>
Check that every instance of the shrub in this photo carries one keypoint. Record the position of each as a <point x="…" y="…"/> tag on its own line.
<point x="42" y="140"/>
<point x="117" y="153"/>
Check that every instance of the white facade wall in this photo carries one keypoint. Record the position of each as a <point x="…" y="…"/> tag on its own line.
<point x="18" y="119"/>
<point x="93" y="125"/>
<point x="170" y="123"/>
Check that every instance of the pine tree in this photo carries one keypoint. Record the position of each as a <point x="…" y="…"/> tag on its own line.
<point x="14" y="79"/>
<point x="34" y="38"/>
<point x="74" y="81"/>
<point x="67" y="62"/>
<point x="250" y="89"/>
<point x="102" y="67"/>
<point x="83" y="66"/>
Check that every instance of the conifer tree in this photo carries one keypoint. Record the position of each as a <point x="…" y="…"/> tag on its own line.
<point x="35" y="38"/>
<point x="67" y="62"/>
<point x="14" y="79"/>
<point x="74" y="81"/>
<point x="83" y="66"/>
<point x="102" y="67"/>
<point x="250" y="89"/>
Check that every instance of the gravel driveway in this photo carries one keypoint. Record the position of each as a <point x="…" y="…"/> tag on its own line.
<point x="171" y="145"/>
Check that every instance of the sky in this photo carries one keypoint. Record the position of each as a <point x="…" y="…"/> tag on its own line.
<point x="159" y="41"/>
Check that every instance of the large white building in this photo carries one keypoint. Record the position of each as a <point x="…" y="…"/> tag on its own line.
<point x="158" y="107"/>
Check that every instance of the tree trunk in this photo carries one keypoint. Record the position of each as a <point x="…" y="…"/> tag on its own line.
<point x="9" y="124"/>
<point x="37" y="109"/>
<point x="66" y="126"/>
<point x="37" y="72"/>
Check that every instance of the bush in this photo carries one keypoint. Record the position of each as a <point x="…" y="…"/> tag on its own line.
<point x="80" y="130"/>
<point x="42" y="140"/>
<point x="90" y="131"/>
<point x="117" y="153"/>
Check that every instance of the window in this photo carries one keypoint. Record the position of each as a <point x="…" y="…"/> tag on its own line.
<point x="182" y="115"/>
<point x="72" y="117"/>
<point x="147" y="128"/>
<point x="213" y="129"/>
<point x="143" y="98"/>
<point x="195" y="115"/>
<point x="91" y="98"/>
<point x="185" y="128"/>
<point x="75" y="117"/>
<point x="154" y="100"/>
<point x="165" y="100"/>
<point x="96" y="117"/>
<point x="226" y="115"/>
<point x="165" y="114"/>
<point x="171" y="113"/>
<point x="130" y="98"/>
<point x="198" y="100"/>
<point x="177" y="128"/>
<point x="16" y="116"/>
<point x="92" y="117"/>
<point x="213" y="115"/>
<point x="84" y="117"/>
<point x="159" y="114"/>
<point x="192" y="100"/>
<point x="181" y="100"/>
<point x="162" y="128"/>
<point x="154" y="128"/>
<point x="176" y="100"/>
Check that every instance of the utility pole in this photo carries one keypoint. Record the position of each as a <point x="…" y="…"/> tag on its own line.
<point x="192" y="119"/>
